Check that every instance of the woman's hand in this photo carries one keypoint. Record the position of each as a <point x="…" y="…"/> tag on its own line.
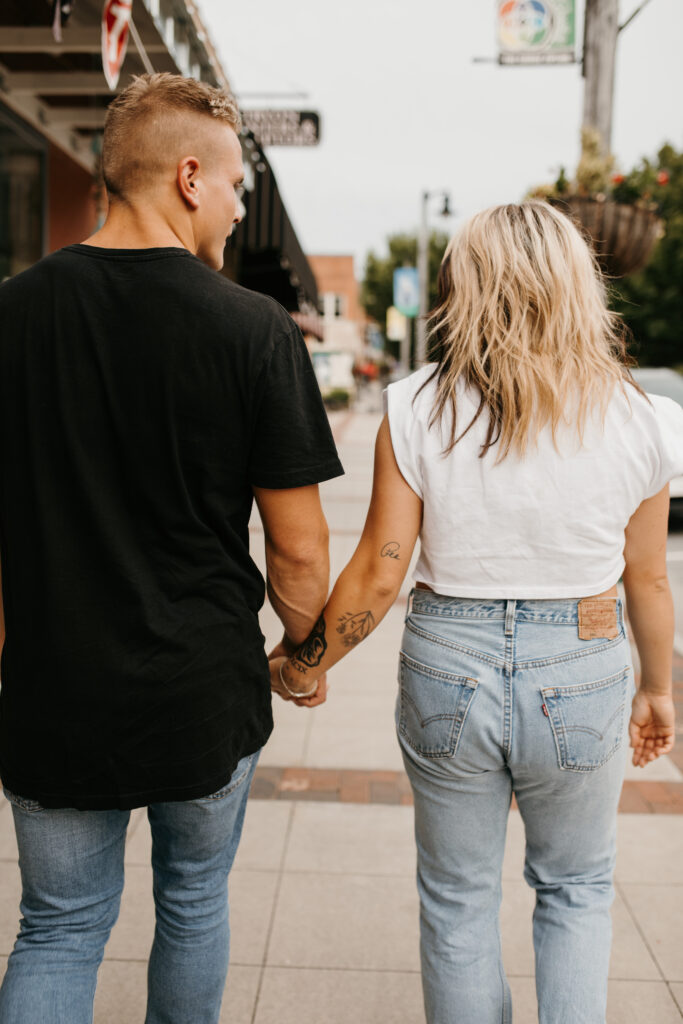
<point x="318" y="697"/>
<point x="652" y="726"/>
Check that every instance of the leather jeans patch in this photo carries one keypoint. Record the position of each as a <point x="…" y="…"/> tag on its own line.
<point x="598" y="618"/>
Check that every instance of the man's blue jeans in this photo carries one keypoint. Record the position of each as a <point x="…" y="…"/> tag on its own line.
<point x="501" y="697"/>
<point x="72" y="876"/>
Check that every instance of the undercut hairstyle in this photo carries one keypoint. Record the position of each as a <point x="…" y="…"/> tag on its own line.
<point x="156" y="121"/>
<point x="522" y="317"/>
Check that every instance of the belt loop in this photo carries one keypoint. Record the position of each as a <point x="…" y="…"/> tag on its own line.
<point x="409" y="606"/>
<point x="510" y="608"/>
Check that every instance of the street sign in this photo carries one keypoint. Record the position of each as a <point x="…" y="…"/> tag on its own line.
<point x="115" y="25"/>
<point x="284" y="127"/>
<point x="536" y="31"/>
<point x="406" y="291"/>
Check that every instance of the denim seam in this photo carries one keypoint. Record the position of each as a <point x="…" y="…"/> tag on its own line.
<point x="572" y="656"/>
<point x="435" y="672"/>
<point x="596" y="684"/>
<point x="487" y="659"/>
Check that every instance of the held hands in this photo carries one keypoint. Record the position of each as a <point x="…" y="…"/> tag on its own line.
<point x="319" y="696"/>
<point x="652" y="727"/>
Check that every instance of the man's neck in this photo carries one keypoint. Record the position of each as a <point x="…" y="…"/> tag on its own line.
<point x="133" y="226"/>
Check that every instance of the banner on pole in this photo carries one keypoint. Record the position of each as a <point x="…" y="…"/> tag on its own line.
<point x="115" y="25"/>
<point x="406" y="291"/>
<point x="536" y="31"/>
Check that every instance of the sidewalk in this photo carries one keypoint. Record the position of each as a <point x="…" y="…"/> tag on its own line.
<point x="324" y="908"/>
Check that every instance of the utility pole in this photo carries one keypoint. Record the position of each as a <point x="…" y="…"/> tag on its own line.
<point x="423" y="273"/>
<point x="423" y="283"/>
<point x="601" y="28"/>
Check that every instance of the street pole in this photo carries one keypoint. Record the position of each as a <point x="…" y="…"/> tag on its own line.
<point x="423" y="284"/>
<point x="601" y="27"/>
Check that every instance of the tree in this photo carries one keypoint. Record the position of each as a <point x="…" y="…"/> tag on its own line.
<point x="651" y="301"/>
<point x="377" y="290"/>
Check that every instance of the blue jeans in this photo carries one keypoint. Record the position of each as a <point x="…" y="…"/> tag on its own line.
<point x="72" y="876"/>
<point x="502" y="697"/>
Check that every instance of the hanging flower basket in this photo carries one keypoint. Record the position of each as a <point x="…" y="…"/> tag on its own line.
<point x="622" y="235"/>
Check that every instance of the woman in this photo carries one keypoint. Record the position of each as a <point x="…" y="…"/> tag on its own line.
<point x="535" y="474"/>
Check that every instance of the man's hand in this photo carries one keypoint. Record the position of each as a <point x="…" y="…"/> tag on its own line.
<point x="652" y="727"/>
<point x="316" y="698"/>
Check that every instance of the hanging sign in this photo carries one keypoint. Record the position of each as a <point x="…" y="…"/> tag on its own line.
<point x="115" y="25"/>
<point x="284" y="127"/>
<point x="536" y="31"/>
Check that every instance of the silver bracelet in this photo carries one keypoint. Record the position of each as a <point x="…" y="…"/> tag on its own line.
<point x="308" y="693"/>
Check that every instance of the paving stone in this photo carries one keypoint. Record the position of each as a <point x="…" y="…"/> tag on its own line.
<point x="352" y="839"/>
<point x="650" y="849"/>
<point x="345" y="921"/>
<point x="658" y="910"/>
<point x="298" y="996"/>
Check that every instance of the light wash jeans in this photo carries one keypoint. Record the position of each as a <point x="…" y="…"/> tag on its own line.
<point x="502" y="697"/>
<point x="72" y="875"/>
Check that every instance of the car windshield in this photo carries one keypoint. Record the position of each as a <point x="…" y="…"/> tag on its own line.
<point x="669" y="384"/>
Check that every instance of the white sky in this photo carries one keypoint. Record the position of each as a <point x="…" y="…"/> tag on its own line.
<point x="404" y="109"/>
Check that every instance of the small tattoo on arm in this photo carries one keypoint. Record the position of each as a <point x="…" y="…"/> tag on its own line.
<point x="390" y="550"/>
<point x="312" y="649"/>
<point x="354" y="627"/>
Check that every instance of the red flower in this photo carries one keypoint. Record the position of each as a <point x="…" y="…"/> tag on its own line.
<point x="663" y="178"/>
<point x="617" y="179"/>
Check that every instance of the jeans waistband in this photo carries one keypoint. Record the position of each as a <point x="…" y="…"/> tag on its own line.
<point x="510" y="610"/>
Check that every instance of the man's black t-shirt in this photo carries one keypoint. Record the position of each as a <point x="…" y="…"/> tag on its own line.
<point x="141" y="397"/>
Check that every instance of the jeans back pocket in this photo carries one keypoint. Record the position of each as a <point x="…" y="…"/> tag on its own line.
<point x="587" y="720"/>
<point x="433" y="707"/>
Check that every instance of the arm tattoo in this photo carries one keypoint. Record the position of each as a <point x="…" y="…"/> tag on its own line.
<point x="312" y="649"/>
<point x="390" y="550"/>
<point x="354" y="627"/>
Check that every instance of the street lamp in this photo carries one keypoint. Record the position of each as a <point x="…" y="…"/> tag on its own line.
<point x="423" y="271"/>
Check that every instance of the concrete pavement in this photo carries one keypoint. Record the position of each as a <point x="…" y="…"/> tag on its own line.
<point x="324" y="909"/>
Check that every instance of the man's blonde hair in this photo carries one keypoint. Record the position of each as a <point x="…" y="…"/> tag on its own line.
<point x="522" y="316"/>
<point x="151" y="121"/>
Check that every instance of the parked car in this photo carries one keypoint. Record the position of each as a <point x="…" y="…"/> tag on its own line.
<point x="660" y="380"/>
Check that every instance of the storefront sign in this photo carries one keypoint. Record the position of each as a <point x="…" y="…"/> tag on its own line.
<point x="284" y="127"/>
<point x="115" y="25"/>
<point x="536" y="31"/>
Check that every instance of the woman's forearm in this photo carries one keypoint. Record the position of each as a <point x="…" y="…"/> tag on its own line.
<point x="356" y="606"/>
<point x="651" y="615"/>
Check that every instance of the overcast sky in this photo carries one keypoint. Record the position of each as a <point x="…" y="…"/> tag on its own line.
<point x="404" y="108"/>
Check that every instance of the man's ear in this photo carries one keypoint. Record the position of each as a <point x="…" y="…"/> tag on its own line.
<point x="188" y="180"/>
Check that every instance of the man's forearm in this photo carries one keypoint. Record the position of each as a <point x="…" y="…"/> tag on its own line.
<point x="297" y="590"/>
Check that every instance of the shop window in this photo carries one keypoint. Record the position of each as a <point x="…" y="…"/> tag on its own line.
<point x="22" y="195"/>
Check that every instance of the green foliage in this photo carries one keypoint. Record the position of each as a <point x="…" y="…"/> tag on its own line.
<point x="651" y="301"/>
<point x="377" y="291"/>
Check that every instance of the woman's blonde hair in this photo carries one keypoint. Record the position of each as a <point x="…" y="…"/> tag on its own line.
<point x="522" y="316"/>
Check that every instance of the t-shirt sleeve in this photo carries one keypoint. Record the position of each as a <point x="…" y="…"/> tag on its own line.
<point x="292" y="443"/>
<point x="403" y="428"/>
<point x="669" y="420"/>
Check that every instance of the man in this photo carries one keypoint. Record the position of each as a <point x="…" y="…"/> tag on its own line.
<point x="144" y="401"/>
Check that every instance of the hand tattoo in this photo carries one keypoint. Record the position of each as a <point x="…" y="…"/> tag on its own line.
<point x="390" y="550"/>
<point x="354" y="627"/>
<point x="312" y="649"/>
